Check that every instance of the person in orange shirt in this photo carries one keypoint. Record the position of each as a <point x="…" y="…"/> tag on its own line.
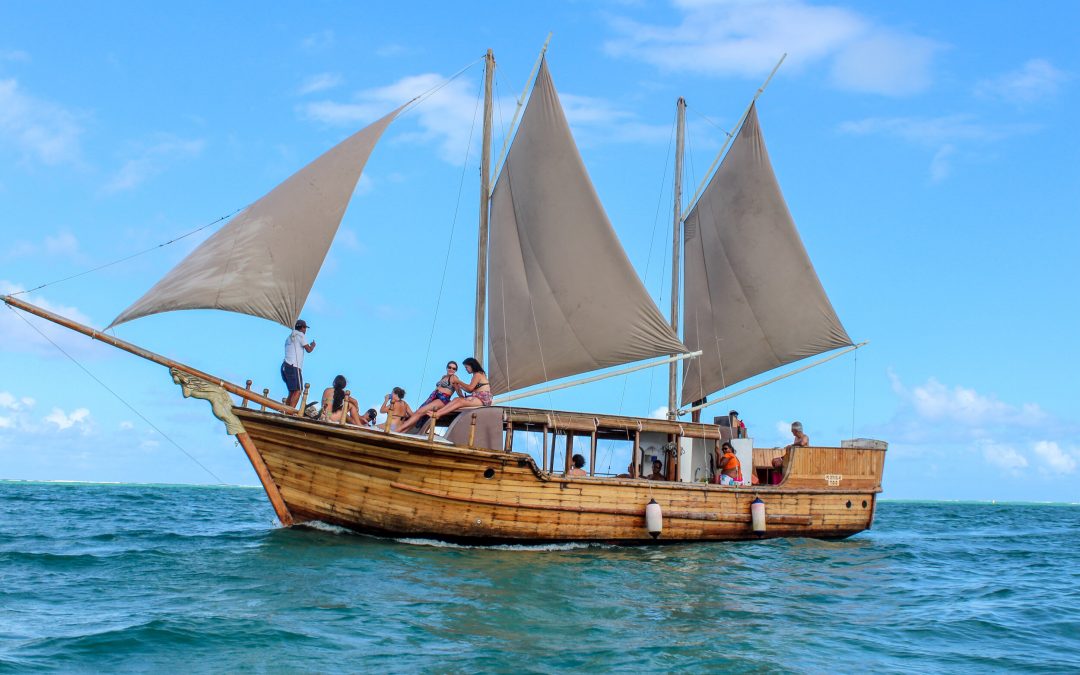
<point x="728" y="465"/>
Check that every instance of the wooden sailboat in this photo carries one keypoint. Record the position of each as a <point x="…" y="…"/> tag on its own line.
<point x="560" y="299"/>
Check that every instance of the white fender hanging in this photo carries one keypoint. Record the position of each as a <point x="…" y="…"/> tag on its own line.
<point x="654" y="519"/>
<point x="757" y="515"/>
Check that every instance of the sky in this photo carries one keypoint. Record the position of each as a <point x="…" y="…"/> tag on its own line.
<point x="927" y="153"/>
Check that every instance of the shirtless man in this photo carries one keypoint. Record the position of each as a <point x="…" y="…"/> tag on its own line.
<point x="657" y="471"/>
<point x="801" y="439"/>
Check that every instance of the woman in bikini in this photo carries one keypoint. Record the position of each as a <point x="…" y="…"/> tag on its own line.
<point x="394" y="405"/>
<point x="444" y="389"/>
<point x="478" y="387"/>
<point x="335" y="405"/>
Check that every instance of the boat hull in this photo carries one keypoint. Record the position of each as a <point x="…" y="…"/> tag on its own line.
<point x="401" y="486"/>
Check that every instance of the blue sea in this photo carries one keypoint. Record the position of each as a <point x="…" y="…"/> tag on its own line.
<point x="201" y="579"/>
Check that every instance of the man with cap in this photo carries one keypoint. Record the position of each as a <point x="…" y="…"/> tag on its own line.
<point x="291" y="368"/>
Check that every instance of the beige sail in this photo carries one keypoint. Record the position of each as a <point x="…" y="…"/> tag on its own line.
<point x="264" y="261"/>
<point x="563" y="298"/>
<point x="752" y="300"/>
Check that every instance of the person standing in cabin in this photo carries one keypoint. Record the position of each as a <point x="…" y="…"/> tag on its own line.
<point x="738" y="429"/>
<point x="292" y="367"/>
<point x="728" y="465"/>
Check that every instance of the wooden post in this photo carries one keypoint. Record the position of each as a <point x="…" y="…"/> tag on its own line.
<point x="569" y="449"/>
<point x="431" y="428"/>
<point x="303" y="400"/>
<point x="485" y="200"/>
<point x="508" y="440"/>
<point x="244" y="401"/>
<point x="268" y="484"/>
<point x="592" y="448"/>
<point x="635" y="457"/>
<point x="544" y="450"/>
<point x="266" y="394"/>
<point x="472" y="431"/>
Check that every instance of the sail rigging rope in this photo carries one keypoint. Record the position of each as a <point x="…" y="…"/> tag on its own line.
<point x="854" y="376"/>
<point x="133" y="255"/>
<point x="118" y="397"/>
<point x="450" y="242"/>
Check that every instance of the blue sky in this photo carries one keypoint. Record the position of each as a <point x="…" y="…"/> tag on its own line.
<point x="928" y="154"/>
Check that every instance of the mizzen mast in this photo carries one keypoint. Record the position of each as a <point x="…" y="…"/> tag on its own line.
<point x="485" y="203"/>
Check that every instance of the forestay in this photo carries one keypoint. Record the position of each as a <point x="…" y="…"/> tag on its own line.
<point x="563" y="298"/>
<point x="752" y="299"/>
<point x="265" y="260"/>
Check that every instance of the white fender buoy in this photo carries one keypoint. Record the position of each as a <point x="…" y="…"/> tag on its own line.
<point x="757" y="515"/>
<point x="654" y="519"/>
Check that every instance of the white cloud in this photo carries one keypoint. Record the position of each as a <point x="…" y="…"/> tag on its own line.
<point x="17" y="336"/>
<point x="152" y="160"/>
<point x="1003" y="456"/>
<point x="320" y="82"/>
<point x="36" y="128"/>
<point x="659" y="413"/>
<point x="444" y="118"/>
<point x="1056" y="459"/>
<point x="734" y="37"/>
<point x="62" y="420"/>
<point x="936" y="402"/>
<point x="126" y="425"/>
<point x="321" y="40"/>
<point x="1036" y="80"/>
<point x="62" y="244"/>
<point x="940" y="165"/>
<point x="14" y="55"/>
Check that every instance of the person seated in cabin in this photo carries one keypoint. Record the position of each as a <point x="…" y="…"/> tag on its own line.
<point x="395" y="407"/>
<point x="657" y="471"/>
<point x="631" y="471"/>
<point x="445" y="388"/>
<point x="578" y="466"/>
<point x="728" y="466"/>
<point x="336" y="406"/>
<point x="475" y="394"/>
<point x="776" y="476"/>
<point x="738" y="429"/>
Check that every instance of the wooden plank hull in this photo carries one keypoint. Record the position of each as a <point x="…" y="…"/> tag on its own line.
<point x="401" y="486"/>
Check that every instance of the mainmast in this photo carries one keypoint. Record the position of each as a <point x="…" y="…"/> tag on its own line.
<point x="676" y="240"/>
<point x="485" y="201"/>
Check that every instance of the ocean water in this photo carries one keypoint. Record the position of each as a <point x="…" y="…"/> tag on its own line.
<point x="193" y="579"/>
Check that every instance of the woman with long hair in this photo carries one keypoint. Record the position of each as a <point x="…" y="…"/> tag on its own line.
<point x="478" y="390"/>
<point x="444" y="389"/>
<point x="336" y="405"/>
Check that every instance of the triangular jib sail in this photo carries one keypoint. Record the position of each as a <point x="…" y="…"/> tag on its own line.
<point x="265" y="260"/>
<point x="563" y="298"/>
<point x="753" y="301"/>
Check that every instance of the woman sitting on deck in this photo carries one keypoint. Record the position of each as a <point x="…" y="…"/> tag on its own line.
<point x="335" y="407"/>
<point x="480" y="390"/>
<point x="395" y="407"/>
<point x="444" y="389"/>
<point x="729" y="466"/>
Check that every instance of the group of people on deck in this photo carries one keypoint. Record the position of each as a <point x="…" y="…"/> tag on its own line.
<point x="336" y="406"/>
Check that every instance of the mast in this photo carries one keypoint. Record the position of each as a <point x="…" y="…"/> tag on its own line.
<point x="676" y="240"/>
<point x="485" y="201"/>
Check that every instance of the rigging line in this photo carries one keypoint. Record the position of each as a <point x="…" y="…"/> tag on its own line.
<point x="450" y="241"/>
<point x="133" y="255"/>
<point x="727" y="133"/>
<point x="118" y="397"/>
<point x="652" y="237"/>
<point x="431" y="92"/>
<point x="854" y="376"/>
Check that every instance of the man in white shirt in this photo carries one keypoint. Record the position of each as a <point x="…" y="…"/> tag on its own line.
<point x="291" y="368"/>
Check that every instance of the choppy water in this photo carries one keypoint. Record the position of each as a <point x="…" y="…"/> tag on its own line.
<point x="154" y="578"/>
